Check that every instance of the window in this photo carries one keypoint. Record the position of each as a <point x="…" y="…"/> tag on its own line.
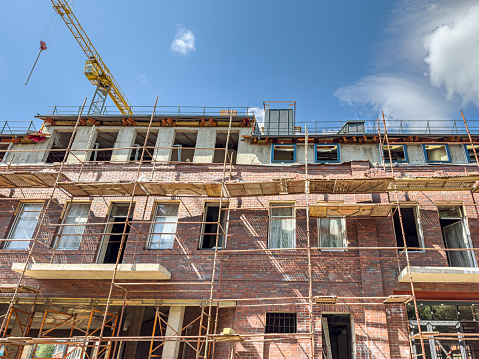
<point x="411" y="225"/>
<point x="59" y="147"/>
<point x="327" y="153"/>
<point x="103" y="146"/>
<point x="332" y="232"/>
<point x="337" y="337"/>
<point x="209" y="229"/>
<point x="283" y="153"/>
<point x="282" y="225"/>
<point x="398" y="153"/>
<point x="456" y="236"/>
<point x="24" y="226"/>
<point x="280" y="323"/>
<point x="436" y="153"/>
<point x="470" y="153"/>
<point x="162" y="231"/>
<point x="219" y="155"/>
<point x="135" y="154"/>
<point x="69" y="236"/>
<point x="183" y="146"/>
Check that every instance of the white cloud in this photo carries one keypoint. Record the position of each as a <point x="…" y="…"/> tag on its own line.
<point x="399" y="96"/>
<point x="428" y="64"/>
<point x="258" y="114"/>
<point x="184" y="42"/>
<point x="143" y="78"/>
<point x="453" y="56"/>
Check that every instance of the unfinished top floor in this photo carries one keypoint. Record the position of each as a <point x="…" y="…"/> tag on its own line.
<point x="236" y="139"/>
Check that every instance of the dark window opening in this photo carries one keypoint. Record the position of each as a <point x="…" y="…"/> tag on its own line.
<point x="411" y="228"/>
<point x="103" y="146"/>
<point x="183" y="146"/>
<point x="398" y="153"/>
<point x="454" y="233"/>
<point x="60" y="144"/>
<point x="210" y="229"/>
<point x="279" y="323"/>
<point x="135" y="154"/>
<point x="220" y="146"/>
<point x="284" y="153"/>
<point x="337" y="336"/>
<point x="3" y="150"/>
<point x="113" y="233"/>
<point x="327" y="153"/>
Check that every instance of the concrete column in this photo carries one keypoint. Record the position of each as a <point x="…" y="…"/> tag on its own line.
<point x="175" y="321"/>
<point x="17" y="331"/>
<point x="134" y="331"/>
<point x="206" y="139"/>
<point x="84" y="139"/>
<point x="166" y="137"/>
<point x="126" y="137"/>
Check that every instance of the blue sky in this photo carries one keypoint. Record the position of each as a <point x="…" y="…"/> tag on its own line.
<point x="414" y="59"/>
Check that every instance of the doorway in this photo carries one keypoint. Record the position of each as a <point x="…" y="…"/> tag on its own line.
<point x="110" y="244"/>
<point x="337" y="336"/>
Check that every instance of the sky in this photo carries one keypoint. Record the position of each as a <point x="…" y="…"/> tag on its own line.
<point x="415" y="60"/>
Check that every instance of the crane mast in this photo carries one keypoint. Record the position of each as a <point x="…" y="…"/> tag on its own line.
<point x="95" y="69"/>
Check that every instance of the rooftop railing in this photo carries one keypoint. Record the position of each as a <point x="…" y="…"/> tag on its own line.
<point x="17" y="127"/>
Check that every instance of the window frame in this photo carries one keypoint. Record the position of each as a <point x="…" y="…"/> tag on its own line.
<point x="338" y="151"/>
<point x="345" y="239"/>
<point x="388" y="160"/>
<point x="446" y="146"/>
<point x="466" y="152"/>
<point x="63" y="217"/>
<point x="417" y="221"/>
<point x="153" y="219"/>
<point x="15" y="222"/>
<point x="273" y="204"/>
<point x="273" y="145"/>
<point x="224" y="204"/>
<point x="280" y="312"/>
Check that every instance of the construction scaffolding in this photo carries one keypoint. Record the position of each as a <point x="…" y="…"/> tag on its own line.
<point x="100" y="336"/>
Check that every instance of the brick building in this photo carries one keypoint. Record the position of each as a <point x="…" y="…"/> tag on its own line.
<point x="207" y="235"/>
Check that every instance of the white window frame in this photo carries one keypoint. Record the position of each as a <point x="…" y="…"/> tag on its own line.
<point x="165" y="220"/>
<point x="271" y="216"/>
<point x="18" y="215"/>
<point x="221" y="210"/>
<point x="345" y="239"/>
<point x="64" y="219"/>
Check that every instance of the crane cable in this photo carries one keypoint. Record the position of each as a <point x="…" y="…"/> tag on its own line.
<point x="46" y="37"/>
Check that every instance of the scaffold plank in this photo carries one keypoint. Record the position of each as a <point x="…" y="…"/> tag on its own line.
<point x="101" y="189"/>
<point x="350" y="185"/>
<point x="455" y="183"/>
<point x="182" y="188"/>
<point x="30" y="179"/>
<point x="325" y="210"/>
<point x="10" y="288"/>
<point x="272" y="188"/>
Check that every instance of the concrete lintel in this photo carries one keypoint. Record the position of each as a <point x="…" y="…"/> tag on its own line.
<point x="139" y="271"/>
<point x="440" y="275"/>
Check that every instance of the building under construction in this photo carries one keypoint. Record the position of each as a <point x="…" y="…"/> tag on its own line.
<point x="201" y="233"/>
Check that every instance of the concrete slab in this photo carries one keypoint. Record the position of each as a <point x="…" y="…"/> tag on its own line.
<point x="441" y="275"/>
<point x="139" y="271"/>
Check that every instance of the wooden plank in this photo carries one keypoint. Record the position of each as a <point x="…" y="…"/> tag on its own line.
<point x="326" y="210"/>
<point x="87" y="189"/>
<point x="182" y="188"/>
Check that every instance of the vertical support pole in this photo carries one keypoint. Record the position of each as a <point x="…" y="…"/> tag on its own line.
<point x="123" y="236"/>
<point x="413" y="294"/>
<point x="215" y="258"/>
<point x="308" y="237"/>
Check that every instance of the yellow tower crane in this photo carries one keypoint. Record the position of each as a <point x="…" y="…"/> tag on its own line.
<point x="95" y="69"/>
